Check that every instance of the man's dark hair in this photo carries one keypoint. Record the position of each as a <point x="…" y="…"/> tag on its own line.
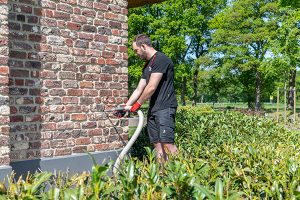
<point x="142" y="39"/>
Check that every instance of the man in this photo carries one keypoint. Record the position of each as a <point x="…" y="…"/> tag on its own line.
<point x="156" y="84"/>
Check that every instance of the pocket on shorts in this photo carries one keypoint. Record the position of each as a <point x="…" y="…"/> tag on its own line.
<point x="167" y="117"/>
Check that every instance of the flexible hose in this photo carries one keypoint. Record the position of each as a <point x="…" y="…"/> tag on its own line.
<point x="131" y="142"/>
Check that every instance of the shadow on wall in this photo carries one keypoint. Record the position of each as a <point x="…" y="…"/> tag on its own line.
<point x="24" y="83"/>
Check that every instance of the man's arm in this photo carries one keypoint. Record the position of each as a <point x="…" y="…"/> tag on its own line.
<point x="155" y="79"/>
<point x="137" y="92"/>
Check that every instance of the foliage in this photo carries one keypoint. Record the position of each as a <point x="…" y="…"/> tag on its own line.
<point x="222" y="155"/>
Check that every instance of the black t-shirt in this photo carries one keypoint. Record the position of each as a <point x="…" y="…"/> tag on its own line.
<point x="164" y="95"/>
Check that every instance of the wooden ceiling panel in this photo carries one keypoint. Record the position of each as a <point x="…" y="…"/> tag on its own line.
<point x="138" y="3"/>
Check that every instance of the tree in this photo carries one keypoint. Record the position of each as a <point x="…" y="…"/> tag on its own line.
<point x="241" y="40"/>
<point x="286" y="47"/>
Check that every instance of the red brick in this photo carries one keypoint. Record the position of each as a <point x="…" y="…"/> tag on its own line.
<point x="86" y="84"/>
<point x="73" y="26"/>
<point x="101" y="61"/>
<point x="48" y="126"/>
<point x="17" y="118"/>
<point x="86" y="36"/>
<point x="105" y="93"/>
<point x="19" y="73"/>
<point x="101" y="147"/>
<point x="63" y="152"/>
<point x="65" y="125"/>
<point x="4" y="70"/>
<point x="123" y="48"/>
<point x="111" y="16"/>
<point x="101" y="38"/>
<point x="82" y="141"/>
<point x="78" y="117"/>
<point x="89" y="125"/>
<point x="37" y="11"/>
<point x="19" y="82"/>
<point x="108" y="54"/>
<point x="69" y="42"/>
<point x="94" y="132"/>
<point x="65" y="7"/>
<point x="79" y="149"/>
<point x="23" y="8"/>
<point x="115" y="32"/>
<point x="92" y="93"/>
<point x="74" y="92"/>
<point x="69" y="100"/>
<point x="3" y="41"/>
<point x="100" y="6"/>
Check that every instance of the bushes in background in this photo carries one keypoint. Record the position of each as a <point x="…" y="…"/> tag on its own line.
<point x="222" y="155"/>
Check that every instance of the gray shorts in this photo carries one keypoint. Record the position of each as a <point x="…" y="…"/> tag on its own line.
<point x="161" y="125"/>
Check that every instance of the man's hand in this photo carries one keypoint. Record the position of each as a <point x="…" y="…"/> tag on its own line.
<point x="119" y="113"/>
<point x="135" y="107"/>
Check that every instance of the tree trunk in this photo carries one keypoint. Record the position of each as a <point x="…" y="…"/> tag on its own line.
<point x="195" y="86"/>
<point x="292" y="84"/>
<point x="258" y="91"/>
<point x="183" y="91"/>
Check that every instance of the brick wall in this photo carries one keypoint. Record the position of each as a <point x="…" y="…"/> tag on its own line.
<point x="4" y="97"/>
<point x="67" y="63"/>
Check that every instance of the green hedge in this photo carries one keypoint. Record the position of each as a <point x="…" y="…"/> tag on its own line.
<point x="223" y="155"/>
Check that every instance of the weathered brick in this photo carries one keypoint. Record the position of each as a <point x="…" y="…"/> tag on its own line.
<point x="65" y="125"/>
<point x="86" y="36"/>
<point x="92" y="93"/>
<point x="89" y="13"/>
<point x="32" y="19"/>
<point x="104" y="31"/>
<point x="64" y="7"/>
<point x="18" y="54"/>
<point x="79" y="19"/>
<point x="81" y="44"/>
<point x="19" y="73"/>
<point x="91" y="77"/>
<point x="79" y="149"/>
<point x="61" y="15"/>
<point x="69" y="100"/>
<point x="57" y="92"/>
<point x="89" y="28"/>
<point x="18" y="8"/>
<point x="52" y="84"/>
<point x="86" y="101"/>
<point x="100" y="6"/>
<point x="36" y="38"/>
<point x="74" y="92"/>
<point x="16" y="118"/>
<point x="108" y="54"/>
<point x="62" y="151"/>
<point x="113" y="24"/>
<point x="67" y="75"/>
<point x="70" y="84"/>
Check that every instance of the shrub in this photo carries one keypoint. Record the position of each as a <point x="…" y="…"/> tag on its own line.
<point x="222" y="155"/>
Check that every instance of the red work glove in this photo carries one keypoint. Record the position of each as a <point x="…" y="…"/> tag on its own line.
<point x="135" y="107"/>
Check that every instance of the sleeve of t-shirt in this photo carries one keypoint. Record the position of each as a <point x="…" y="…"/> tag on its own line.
<point x="160" y="66"/>
<point x="143" y="74"/>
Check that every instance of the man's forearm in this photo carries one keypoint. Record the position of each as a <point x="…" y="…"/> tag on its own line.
<point x="147" y="93"/>
<point x="133" y="98"/>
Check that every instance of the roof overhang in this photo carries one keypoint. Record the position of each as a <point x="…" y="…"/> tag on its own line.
<point x="138" y="3"/>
